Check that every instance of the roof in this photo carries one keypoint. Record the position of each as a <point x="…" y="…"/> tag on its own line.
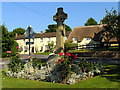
<point x="44" y="35"/>
<point x="92" y="31"/>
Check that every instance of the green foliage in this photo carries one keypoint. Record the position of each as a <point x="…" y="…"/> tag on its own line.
<point x="91" y="21"/>
<point x="113" y="24"/>
<point x="53" y="27"/>
<point x="19" y="31"/>
<point x="107" y="18"/>
<point x="37" y="63"/>
<point x="6" y="40"/>
<point x="88" y="66"/>
<point x="64" y="64"/>
<point x="8" y="43"/>
<point x="15" y="64"/>
<point x="108" y="80"/>
<point x="51" y="45"/>
<point x="69" y="46"/>
<point x="14" y="50"/>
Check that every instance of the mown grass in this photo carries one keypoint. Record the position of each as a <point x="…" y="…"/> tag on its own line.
<point x="99" y="49"/>
<point x="109" y="80"/>
<point x="44" y="53"/>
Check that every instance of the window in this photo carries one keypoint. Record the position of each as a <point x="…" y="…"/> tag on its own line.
<point x="75" y="40"/>
<point x="41" y="39"/>
<point x="48" y="39"/>
<point x="41" y="48"/>
<point x="46" y="47"/>
<point x="88" y="38"/>
<point x="24" y="41"/>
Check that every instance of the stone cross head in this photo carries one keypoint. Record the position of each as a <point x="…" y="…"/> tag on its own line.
<point x="60" y="16"/>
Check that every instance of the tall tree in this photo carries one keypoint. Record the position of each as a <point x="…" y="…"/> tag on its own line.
<point x="8" y="42"/>
<point x="19" y="31"/>
<point x="91" y="21"/>
<point x="106" y="19"/>
<point x="113" y="25"/>
<point x="53" y="27"/>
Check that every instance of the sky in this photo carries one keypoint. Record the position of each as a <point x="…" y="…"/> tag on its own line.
<point x="40" y="14"/>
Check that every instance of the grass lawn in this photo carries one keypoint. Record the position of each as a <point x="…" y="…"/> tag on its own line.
<point x="44" y="53"/>
<point x="102" y="49"/>
<point x="109" y="80"/>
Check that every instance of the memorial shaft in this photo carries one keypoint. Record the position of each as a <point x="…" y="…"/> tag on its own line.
<point x="59" y="18"/>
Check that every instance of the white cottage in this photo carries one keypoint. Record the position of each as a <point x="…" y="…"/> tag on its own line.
<point x="41" y="41"/>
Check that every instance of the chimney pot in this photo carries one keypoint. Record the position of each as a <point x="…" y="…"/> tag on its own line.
<point x="100" y="22"/>
<point x="41" y="32"/>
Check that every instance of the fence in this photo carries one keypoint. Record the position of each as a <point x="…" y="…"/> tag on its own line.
<point x="94" y="46"/>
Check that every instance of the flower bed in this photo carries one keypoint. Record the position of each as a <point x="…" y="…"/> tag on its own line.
<point x="66" y="70"/>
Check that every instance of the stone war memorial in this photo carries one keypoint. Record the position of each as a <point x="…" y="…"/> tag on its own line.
<point x="61" y="67"/>
<point x="60" y="17"/>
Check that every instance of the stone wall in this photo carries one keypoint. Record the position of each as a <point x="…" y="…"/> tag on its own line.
<point x="99" y="54"/>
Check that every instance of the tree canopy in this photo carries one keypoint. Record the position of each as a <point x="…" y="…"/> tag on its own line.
<point x="106" y="19"/>
<point x="8" y="43"/>
<point x="53" y="27"/>
<point x="19" y="31"/>
<point x="113" y="24"/>
<point x="91" y="21"/>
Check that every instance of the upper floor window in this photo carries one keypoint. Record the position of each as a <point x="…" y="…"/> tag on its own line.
<point x="48" y="39"/>
<point x="88" y="38"/>
<point x="41" y="39"/>
<point x="75" y="40"/>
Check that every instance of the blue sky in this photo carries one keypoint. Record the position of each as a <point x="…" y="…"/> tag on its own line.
<point x="40" y="14"/>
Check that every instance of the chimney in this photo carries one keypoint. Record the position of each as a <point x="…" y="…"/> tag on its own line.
<point x="41" y="32"/>
<point x="16" y="35"/>
<point x="100" y="22"/>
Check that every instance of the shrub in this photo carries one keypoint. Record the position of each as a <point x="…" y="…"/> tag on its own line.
<point x="37" y="63"/>
<point x="69" y="46"/>
<point x="65" y="64"/>
<point x="15" y="64"/>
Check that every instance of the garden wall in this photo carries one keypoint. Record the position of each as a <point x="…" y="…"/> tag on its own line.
<point x="99" y="54"/>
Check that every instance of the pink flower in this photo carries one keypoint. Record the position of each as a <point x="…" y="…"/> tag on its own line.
<point x="9" y="52"/>
<point x="17" y="47"/>
<point x="60" y="53"/>
<point x="19" y="54"/>
<point x="28" y="57"/>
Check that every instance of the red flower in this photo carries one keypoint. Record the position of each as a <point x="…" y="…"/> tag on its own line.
<point x="68" y="54"/>
<point x="17" y="47"/>
<point x="61" y="60"/>
<point x="28" y="57"/>
<point x="66" y="58"/>
<point x="60" y="53"/>
<point x="74" y="56"/>
<point x="9" y="52"/>
<point x="57" y="62"/>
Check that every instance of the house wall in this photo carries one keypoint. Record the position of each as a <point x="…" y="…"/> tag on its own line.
<point x="37" y="44"/>
<point x="87" y="41"/>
